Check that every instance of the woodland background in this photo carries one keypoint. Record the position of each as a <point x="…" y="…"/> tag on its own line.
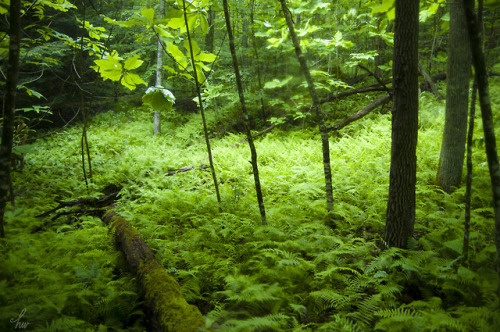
<point x="118" y="103"/>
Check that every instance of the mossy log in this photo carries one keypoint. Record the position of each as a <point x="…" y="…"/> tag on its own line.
<point x="163" y="294"/>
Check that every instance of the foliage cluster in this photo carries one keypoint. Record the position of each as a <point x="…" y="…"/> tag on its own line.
<point x="295" y="274"/>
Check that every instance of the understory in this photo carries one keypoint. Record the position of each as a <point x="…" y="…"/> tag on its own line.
<point x="296" y="274"/>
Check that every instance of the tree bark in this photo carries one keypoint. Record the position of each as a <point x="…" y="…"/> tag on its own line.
<point x="470" y="136"/>
<point x="487" y="116"/>
<point x="10" y="106"/>
<point x="316" y="108"/>
<point x="241" y="95"/>
<point x="451" y="159"/>
<point x="163" y="295"/>
<point x="159" y="65"/>
<point x="401" y="202"/>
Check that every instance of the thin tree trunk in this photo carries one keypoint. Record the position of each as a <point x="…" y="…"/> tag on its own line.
<point x="487" y="117"/>
<point x="10" y="106"/>
<point x="257" y="61"/>
<point x="159" y="65"/>
<point x="198" y="90"/>
<point x="84" y="140"/>
<point x="451" y="159"/>
<point x="401" y="202"/>
<point x="241" y="95"/>
<point x="468" y="185"/>
<point x="316" y="107"/>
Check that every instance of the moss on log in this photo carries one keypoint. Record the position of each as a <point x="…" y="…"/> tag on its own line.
<point x="163" y="294"/>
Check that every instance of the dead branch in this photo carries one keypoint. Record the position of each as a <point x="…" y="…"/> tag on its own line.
<point x="359" y="114"/>
<point x="429" y="82"/>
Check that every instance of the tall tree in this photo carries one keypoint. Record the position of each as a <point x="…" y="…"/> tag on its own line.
<point x="487" y="116"/>
<point x="401" y="203"/>
<point x="316" y="108"/>
<point x="10" y="106"/>
<point x="241" y="95"/>
<point x="451" y="159"/>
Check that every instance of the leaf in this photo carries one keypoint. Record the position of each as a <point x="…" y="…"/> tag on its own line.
<point x="176" y="23"/>
<point x="196" y="48"/>
<point x="205" y="57"/>
<point x="162" y="32"/>
<point x="204" y="24"/>
<point x="131" y="80"/>
<point x="149" y="14"/>
<point x="159" y="98"/>
<point x="386" y="6"/>
<point x="109" y="68"/>
<point x="277" y="83"/>
<point x="133" y="63"/>
<point x="177" y="54"/>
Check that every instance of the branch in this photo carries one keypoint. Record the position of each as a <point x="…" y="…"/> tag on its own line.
<point x="359" y="114"/>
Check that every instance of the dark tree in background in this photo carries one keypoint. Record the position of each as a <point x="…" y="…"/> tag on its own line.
<point x="481" y="77"/>
<point x="10" y="106"/>
<point x="451" y="159"/>
<point x="401" y="202"/>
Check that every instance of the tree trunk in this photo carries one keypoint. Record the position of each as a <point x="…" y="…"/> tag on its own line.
<point x="209" y="38"/>
<point x="10" y="106"/>
<point x="163" y="295"/>
<point x="487" y="117"/>
<point x="470" y="136"/>
<point x="316" y="107"/>
<point x="241" y="95"/>
<point x="159" y="65"/>
<point x="401" y="203"/>
<point x="202" y="110"/>
<point x="451" y="159"/>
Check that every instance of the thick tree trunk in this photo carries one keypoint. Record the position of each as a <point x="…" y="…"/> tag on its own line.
<point x="10" y="107"/>
<point x="401" y="203"/>
<point x="241" y="95"/>
<point x="451" y="159"/>
<point x="487" y="117"/>
<point x="316" y="107"/>
<point x="163" y="294"/>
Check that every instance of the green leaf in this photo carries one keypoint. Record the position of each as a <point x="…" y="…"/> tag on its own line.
<point x="131" y="80"/>
<point x="159" y="98"/>
<point x="277" y="83"/>
<point x="177" y="54"/>
<point x="109" y="68"/>
<point x="149" y="14"/>
<point x="204" y="24"/>
<point x="133" y="63"/>
<point x="205" y="57"/>
<point x="162" y="32"/>
<point x="386" y="6"/>
<point x="176" y="23"/>
<point x="196" y="48"/>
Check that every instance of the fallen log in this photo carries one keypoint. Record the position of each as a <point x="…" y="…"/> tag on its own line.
<point x="185" y="169"/>
<point x="359" y="114"/>
<point x="163" y="294"/>
<point x="166" y="306"/>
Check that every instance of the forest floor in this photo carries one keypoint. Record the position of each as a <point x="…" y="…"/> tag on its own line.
<point x="296" y="274"/>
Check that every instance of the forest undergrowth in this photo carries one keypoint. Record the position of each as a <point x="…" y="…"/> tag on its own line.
<point x="296" y="274"/>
